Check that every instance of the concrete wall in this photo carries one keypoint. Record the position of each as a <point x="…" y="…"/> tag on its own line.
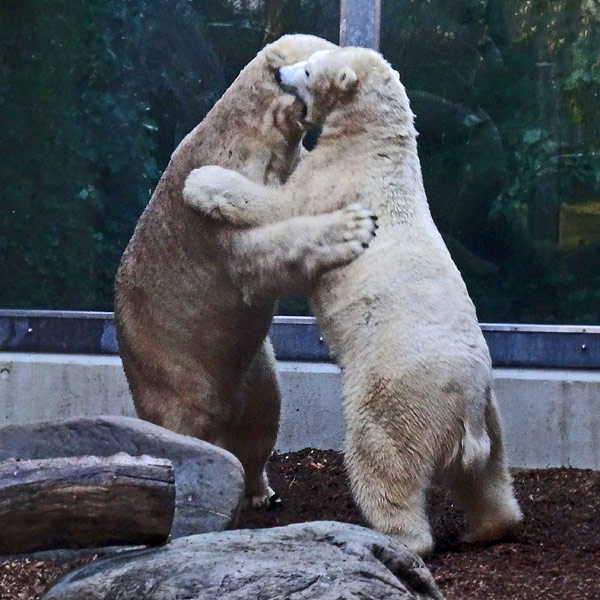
<point x="551" y="417"/>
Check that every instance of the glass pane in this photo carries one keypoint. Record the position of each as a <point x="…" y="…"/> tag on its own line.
<point x="506" y="98"/>
<point x="95" y="97"/>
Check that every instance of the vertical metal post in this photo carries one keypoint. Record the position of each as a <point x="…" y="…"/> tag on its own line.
<point x="360" y="22"/>
<point x="544" y="211"/>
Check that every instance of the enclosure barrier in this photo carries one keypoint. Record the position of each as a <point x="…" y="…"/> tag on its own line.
<point x="56" y="365"/>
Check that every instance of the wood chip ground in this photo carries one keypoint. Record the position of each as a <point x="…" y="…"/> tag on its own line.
<point x="556" y="554"/>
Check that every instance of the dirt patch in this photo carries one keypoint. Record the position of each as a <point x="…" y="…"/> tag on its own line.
<point x="25" y="579"/>
<point x="556" y="554"/>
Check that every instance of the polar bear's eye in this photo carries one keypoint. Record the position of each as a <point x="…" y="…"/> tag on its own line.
<point x="306" y="72"/>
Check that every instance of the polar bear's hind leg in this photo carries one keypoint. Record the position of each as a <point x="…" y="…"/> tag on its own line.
<point x="253" y="436"/>
<point x="389" y="487"/>
<point x="482" y="483"/>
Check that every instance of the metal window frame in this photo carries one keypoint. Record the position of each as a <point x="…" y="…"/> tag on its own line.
<point x="299" y="339"/>
<point x="360" y="23"/>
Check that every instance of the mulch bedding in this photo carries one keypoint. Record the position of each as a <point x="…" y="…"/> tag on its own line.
<point x="556" y="555"/>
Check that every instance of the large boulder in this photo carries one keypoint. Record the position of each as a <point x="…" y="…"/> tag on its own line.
<point x="322" y="560"/>
<point x="209" y="482"/>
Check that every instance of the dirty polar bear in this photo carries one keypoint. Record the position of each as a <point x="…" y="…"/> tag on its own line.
<point x="417" y="378"/>
<point x="194" y="298"/>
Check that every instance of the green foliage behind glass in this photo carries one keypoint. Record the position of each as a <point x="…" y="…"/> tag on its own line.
<point x="97" y="94"/>
<point x="95" y="97"/>
<point x="506" y="98"/>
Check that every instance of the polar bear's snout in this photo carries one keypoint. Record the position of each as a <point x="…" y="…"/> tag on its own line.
<point x="294" y="78"/>
<point x="290" y="78"/>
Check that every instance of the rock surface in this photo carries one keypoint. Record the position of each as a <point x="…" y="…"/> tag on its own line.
<point x="322" y="560"/>
<point x="209" y="481"/>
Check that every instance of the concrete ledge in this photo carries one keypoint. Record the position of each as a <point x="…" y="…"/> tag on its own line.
<point x="45" y="387"/>
<point x="551" y="417"/>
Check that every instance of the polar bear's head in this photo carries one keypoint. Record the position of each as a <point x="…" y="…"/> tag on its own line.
<point x="285" y="112"/>
<point x="332" y="78"/>
<point x="293" y="48"/>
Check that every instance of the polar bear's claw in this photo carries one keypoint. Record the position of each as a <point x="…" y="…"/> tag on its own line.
<point x="361" y="224"/>
<point x="275" y="501"/>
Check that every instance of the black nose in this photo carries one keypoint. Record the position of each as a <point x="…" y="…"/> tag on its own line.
<point x="278" y="76"/>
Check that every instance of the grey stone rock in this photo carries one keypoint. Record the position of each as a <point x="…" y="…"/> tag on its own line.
<point x="322" y="560"/>
<point x="209" y="482"/>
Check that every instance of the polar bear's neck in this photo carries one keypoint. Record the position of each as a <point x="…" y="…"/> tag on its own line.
<point x="376" y="112"/>
<point x="376" y="136"/>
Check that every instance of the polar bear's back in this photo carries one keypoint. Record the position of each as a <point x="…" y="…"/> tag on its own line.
<point x="178" y="307"/>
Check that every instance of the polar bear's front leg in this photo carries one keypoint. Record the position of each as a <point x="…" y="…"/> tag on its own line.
<point x="225" y="195"/>
<point x="286" y="257"/>
<point x="330" y="240"/>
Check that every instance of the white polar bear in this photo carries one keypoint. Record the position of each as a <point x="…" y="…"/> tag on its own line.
<point x="194" y="299"/>
<point x="417" y="377"/>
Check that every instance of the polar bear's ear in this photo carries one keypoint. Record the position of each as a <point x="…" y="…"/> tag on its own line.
<point x="346" y="79"/>
<point x="275" y="58"/>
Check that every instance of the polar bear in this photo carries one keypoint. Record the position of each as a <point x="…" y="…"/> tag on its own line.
<point x="416" y="371"/>
<point x="194" y="299"/>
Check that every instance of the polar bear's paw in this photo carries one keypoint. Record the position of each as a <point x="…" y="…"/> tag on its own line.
<point x="285" y="113"/>
<point x="419" y="542"/>
<point x="344" y="235"/>
<point x="213" y="191"/>
<point x="267" y="499"/>
<point x="503" y="524"/>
